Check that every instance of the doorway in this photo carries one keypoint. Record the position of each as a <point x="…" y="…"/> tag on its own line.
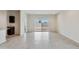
<point x="41" y="24"/>
<point x="37" y="23"/>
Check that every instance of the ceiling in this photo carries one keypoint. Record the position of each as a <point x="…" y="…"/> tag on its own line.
<point x="42" y="11"/>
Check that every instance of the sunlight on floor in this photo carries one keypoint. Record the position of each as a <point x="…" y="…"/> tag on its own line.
<point x="39" y="40"/>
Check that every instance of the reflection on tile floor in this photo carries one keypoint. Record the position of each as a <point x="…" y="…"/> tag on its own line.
<point x="39" y="40"/>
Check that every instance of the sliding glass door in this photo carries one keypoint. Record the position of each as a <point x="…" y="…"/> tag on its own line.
<point x="40" y="24"/>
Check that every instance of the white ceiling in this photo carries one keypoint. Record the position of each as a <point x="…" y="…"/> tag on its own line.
<point x="42" y="11"/>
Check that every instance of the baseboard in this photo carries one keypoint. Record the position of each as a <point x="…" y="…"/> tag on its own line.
<point x="70" y="40"/>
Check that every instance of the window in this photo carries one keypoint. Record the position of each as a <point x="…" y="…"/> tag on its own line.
<point x="41" y="20"/>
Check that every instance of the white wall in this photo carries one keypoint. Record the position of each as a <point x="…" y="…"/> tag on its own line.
<point x="17" y="20"/>
<point x="52" y="21"/>
<point x="3" y="19"/>
<point x="23" y="22"/>
<point x="68" y="24"/>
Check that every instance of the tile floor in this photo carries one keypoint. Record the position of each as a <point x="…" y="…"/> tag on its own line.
<point x="39" y="40"/>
